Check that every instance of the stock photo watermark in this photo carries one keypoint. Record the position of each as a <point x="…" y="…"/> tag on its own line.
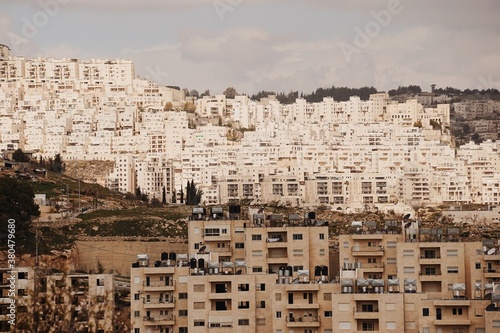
<point x="489" y="82"/>
<point x="32" y="25"/>
<point x="222" y="7"/>
<point x="372" y="29"/>
<point x="11" y="263"/>
<point x="156" y="74"/>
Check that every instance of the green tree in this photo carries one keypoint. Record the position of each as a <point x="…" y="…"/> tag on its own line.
<point x="193" y="194"/>
<point x="174" y="197"/>
<point x="418" y="124"/>
<point x="16" y="202"/>
<point x="230" y="92"/>
<point x="164" y="196"/>
<point x="56" y="165"/>
<point x="20" y="156"/>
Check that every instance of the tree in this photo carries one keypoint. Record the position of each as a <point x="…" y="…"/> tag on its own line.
<point x="230" y="92"/>
<point x="190" y="107"/>
<point x="20" y="156"/>
<point x="16" y="203"/>
<point x="194" y="93"/>
<point x="181" y="199"/>
<point x="169" y="106"/>
<point x="193" y="195"/>
<point x="174" y="197"/>
<point x="476" y="138"/>
<point x="56" y="165"/>
<point x="418" y="124"/>
<point x="138" y="193"/>
<point x="206" y="93"/>
<point x="155" y="203"/>
<point x="164" y="196"/>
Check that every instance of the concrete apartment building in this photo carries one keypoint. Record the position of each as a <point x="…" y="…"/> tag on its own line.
<point x="98" y="110"/>
<point x="273" y="273"/>
<point x="75" y="302"/>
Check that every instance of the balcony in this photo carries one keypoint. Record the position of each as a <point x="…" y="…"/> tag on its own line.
<point x="430" y="260"/>
<point x="159" y="286"/>
<point x="367" y="251"/>
<point x="275" y="245"/>
<point x="159" y="320"/>
<point x="170" y="304"/>
<point x="430" y="277"/>
<point x="366" y="314"/>
<point x="277" y="259"/>
<point x="452" y="302"/>
<point x="302" y="306"/>
<point x="301" y="322"/>
<point x="453" y="322"/>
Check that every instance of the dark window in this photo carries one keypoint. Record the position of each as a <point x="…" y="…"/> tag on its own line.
<point x="328" y="313"/>
<point x="239" y="245"/>
<point x="425" y="312"/>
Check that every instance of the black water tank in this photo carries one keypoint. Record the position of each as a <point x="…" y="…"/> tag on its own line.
<point x="164" y="256"/>
<point x="135" y="264"/>
<point x="290" y="270"/>
<point x="172" y="256"/>
<point x="311" y="215"/>
<point x="324" y="270"/>
<point x="317" y="270"/>
<point x="201" y="263"/>
<point x="192" y="263"/>
<point x="157" y="263"/>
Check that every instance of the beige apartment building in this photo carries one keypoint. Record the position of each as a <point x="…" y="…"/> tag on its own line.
<point x="272" y="273"/>
<point x="74" y="302"/>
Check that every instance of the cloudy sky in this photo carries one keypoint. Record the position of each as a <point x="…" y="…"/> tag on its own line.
<point x="276" y="45"/>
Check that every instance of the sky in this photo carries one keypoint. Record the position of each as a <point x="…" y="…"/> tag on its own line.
<point x="272" y="45"/>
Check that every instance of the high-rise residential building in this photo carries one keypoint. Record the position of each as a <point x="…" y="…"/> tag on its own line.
<point x="273" y="273"/>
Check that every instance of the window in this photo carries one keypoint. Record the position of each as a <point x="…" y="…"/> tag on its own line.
<point x="244" y="305"/>
<point x="458" y="330"/>
<point x="408" y="253"/>
<point x="321" y="252"/>
<point x="452" y="269"/>
<point x="256" y="237"/>
<point x="257" y="253"/>
<point x="183" y="313"/>
<point x="328" y="313"/>
<point x="137" y="330"/>
<point x="478" y="265"/>
<point x="256" y="269"/>
<point x="391" y="325"/>
<point x="260" y="321"/>
<point x="199" y="288"/>
<point x="243" y="322"/>
<point x="199" y="323"/>
<point x="239" y="245"/>
<point x="321" y="236"/>
<point x="297" y="268"/>
<point x="452" y="253"/>
<point x="391" y="244"/>
<point x="298" y="252"/>
<point x="278" y="314"/>
<point x="261" y="287"/>
<point x="100" y="299"/>
<point x="136" y="297"/>
<point x="368" y="326"/>
<point x="345" y="325"/>
<point x="183" y="295"/>
<point x="409" y="269"/>
<point x="346" y="245"/>
<point x="495" y="323"/>
<point x="297" y="236"/>
<point x="457" y="311"/>
<point x="199" y="305"/>
<point x="137" y="314"/>
<point x="425" y="312"/>
<point x="391" y="261"/>
<point x="243" y="287"/>
<point x="278" y="297"/>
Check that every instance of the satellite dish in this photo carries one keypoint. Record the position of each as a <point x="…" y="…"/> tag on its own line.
<point x="407" y="225"/>
<point x="406" y="217"/>
<point x="491" y="251"/>
<point x="202" y="249"/>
